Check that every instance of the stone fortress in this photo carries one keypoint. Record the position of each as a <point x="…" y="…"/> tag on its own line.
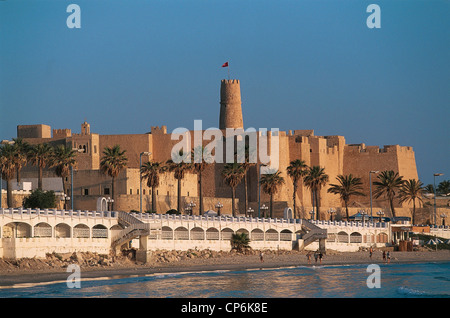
<point x="330" y="152"/>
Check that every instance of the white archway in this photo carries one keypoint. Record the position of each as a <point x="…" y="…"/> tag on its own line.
<point x="102" y="204"/>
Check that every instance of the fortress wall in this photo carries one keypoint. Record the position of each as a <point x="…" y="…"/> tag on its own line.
<point x="168" y="185"/>
<point x="359" y="160"/>
<point x="133" y="144"/>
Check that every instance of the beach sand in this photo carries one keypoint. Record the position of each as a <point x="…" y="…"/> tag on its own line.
<point x="230" y="261"/>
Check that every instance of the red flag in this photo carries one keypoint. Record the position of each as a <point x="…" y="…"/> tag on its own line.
<point x="225" y="64"/>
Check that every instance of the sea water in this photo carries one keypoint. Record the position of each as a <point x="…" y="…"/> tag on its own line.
<point x="417" y="280"/>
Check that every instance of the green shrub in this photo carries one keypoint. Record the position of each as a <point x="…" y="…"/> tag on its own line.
<point x="39" y="199"/>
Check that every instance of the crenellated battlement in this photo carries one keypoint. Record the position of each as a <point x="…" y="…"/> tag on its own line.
<point x="156" y="130"/>
<point x="362" y="148"/>
<point x="230" y="81"/>
<point x="61" y="133"/>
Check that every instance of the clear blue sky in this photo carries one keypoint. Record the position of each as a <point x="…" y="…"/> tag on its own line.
<point x="302" y="65"/>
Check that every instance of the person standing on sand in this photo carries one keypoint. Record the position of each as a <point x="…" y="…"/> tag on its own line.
<point x="384" y="256"/>
<point x="370" y="252"/>
<point x="320" y="257"/>
<point x="261" y="256"/>
<point x="308" y="256"/>
<point x="388" y="255"/>
<point x="316" y="255"/>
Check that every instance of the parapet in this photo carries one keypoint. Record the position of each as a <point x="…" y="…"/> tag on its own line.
<point x="62" y="133"/>
<point x="231" y="81"/>
<point x="305" y="133"/>
<point x="362" y="148"/>
<point x="156" y="130"/>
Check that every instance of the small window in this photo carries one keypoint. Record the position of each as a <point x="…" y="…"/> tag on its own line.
<point x="95" y="148"/>
<point x="131" y="191"/>
<point x="86" y="191"/>
<point x="106" y="191"/>
<point x="143" y="191"/>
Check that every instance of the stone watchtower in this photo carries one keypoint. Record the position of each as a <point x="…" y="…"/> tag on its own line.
<point x="230" y="105"/>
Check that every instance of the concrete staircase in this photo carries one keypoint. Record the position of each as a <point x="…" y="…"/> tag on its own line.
<point x="133" y="227"/>
<point x="313" y="233"/>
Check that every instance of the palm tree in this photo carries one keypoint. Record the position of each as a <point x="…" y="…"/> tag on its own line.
<point x="348" y="186"/>
<point x="388" y="183"/>
<point x="198" y="168"/>
<point x="443" y="187"/>
<point x="315" y="179"/>
<point x="40" y="155"/>
<point x="22" y="149"/>
<point x="246" y="166"/>
<point x="180" y="169"/>
<point x="270" y="183"/>
<point x="63" y="160"/>
<point x="240" y="241"/>
<point x="410" y="191"/>
<point x="232" y="174"/>
<point x="112" y="163"/>
<point x="8" y="169"/>
<point x="296" y="170"/>
<point x="429" y="188"/>
<point x="151" y="171"/>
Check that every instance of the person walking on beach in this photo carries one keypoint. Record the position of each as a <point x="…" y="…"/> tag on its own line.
<point x="384" y="256"/>
<point x="308" y="256"/>
<point x="261" y="256"/>
<point x="370" y="252"/>
<point x="320" y="257"/>
<point x="316" y="255"/>
<point x="388" y="255"/>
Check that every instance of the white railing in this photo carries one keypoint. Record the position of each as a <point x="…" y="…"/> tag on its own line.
<point x="350" y="223"/>
<point x="149" y="217"/>
<point x="60" y="213"/>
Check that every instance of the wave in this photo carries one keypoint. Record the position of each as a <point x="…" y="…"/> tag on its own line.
<point x="406" y="291"/>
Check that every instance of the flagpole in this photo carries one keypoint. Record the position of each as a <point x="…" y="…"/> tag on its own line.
<point x="228" y="69"/>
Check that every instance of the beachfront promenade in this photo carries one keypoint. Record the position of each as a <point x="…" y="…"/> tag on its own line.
<point x="33" y="233"/>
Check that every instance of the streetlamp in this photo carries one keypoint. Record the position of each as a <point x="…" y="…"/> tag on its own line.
<point x="435" y="175"/>
<point x="312" y="214"/>
<point x="65" y="198"/>
<point x="363" y="213"/>
<point x="108" y="201"/>
<point x="250" y="211"/>
<point x="71" y="178"/>
<point x="264" y="208"/>
<point x="259" y="189"/>
<point x="370" y="185"/>
<point x="443" y="216"/>
<point x="192" y="205"/>
<point x="380" y="214"/>
<point x="331" y="211"/>
<point x="140" y="179"/>
<point x="218" y="206"/>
